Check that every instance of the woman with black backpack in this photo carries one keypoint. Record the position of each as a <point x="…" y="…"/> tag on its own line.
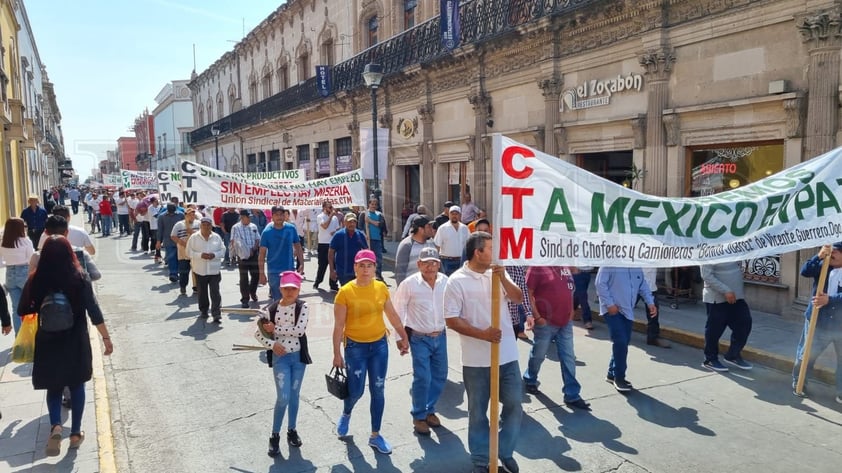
<point x="282" y="329"/>
<point x="61" y="295"/>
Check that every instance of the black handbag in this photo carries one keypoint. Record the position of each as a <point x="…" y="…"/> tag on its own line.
<point x="337" y="383"/>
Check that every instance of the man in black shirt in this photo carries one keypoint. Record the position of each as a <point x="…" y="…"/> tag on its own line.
<point x="230" y="218"/>
<point x="444" y="216"/>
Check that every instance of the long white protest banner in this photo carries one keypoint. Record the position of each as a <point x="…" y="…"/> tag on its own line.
<point x="206" y="185"/>
<point x="138" y="179"/>
<point x="550" y="212"/>
<point x="112" y="180"/>
<point x="169" y="182"/>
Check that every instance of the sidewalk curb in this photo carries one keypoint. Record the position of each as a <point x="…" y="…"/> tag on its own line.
<point x="756" y="355"/>
<point x="105" y="437"/>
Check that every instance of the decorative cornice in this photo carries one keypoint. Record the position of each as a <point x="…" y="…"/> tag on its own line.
<point x="657" y="63"/>
<point x="481" y="103"/>
<point x="551" y="88"/>
<point x="821" y="30"/>
<point x="672" y="127"/>
<point x="426" y="112"/>
<point x="638" y="125"/>
<point x="560" y="135"/>
<point x="794" y="109"/>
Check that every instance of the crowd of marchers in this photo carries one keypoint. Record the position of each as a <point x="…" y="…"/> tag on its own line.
<point x="443" y="270"/>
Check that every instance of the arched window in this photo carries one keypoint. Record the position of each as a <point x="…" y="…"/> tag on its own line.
<point x="219" y="106"/>
<point x="373" y="24"/>
<point x="253" y="90"/>
<point x="303" y="67"/>
<point x="328" y="57"/>
<point x="201" y="115"/>
<point x="409" y="7"/>
<point x="210" y="110"/>
<point x="267" y="82"/>
<point x="283" y="77"/>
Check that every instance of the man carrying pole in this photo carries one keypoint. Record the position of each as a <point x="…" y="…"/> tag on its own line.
<point x="823" y="324"/>
<point x="467" y="310"/>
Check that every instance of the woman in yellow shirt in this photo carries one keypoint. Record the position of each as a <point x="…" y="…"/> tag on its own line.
<point x="358" y="313"/>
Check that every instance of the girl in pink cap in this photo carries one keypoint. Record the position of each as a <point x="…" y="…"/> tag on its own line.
<point x="282" y="329"/>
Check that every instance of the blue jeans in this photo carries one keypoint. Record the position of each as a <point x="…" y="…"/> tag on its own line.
<point x="429" y="372"/>
<point x="273" y="278"/>
<point x="226" y="240"/>
<point x="77" y="406"/>
<point x="377" y="248"/>
<point x="289" y="372"/>
<point x="620" y="329"/>
<point x="477" y="388"/>
<point x="563" y="336"/>
<point x="15" y="280"/>
<point x="171" y="257"/>
<point x="821" y="339"/>
<point x="449" y="266"/>
<point x="106" y="225"/>
<point x="580" y="296"/>
<point x="372" y="359"/>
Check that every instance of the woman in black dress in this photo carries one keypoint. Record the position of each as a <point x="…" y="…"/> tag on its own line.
<point x="63" y="358"/>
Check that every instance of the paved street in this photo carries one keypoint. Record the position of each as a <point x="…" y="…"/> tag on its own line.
<point x="181" y="400"/>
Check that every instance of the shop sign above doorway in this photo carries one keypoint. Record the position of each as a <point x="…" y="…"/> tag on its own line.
<point x="598" y="92"/>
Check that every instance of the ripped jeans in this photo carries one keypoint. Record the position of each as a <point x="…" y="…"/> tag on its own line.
<point x="288" y="371"/>
<point x="371" y="358"/>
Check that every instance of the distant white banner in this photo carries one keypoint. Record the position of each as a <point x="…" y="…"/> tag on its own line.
<point x="367" y="153"/>
<point x="138" y="179"/>
<point x="550" y="212"/>
<point x="206" y="185"/>
<point x="112" y="180"/>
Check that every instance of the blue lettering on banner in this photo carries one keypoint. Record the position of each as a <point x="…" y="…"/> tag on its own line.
<point x="323" y="80"/>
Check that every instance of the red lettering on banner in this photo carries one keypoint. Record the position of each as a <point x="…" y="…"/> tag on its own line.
<point x="508" y="164"/>
<point x="232" y="187"/>
<point x="522" y="245"/>
<point x="517" y="194"/>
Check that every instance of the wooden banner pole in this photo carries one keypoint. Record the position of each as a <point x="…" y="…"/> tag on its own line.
<point x="808" y="344"/>
<point x="494" y="404"/>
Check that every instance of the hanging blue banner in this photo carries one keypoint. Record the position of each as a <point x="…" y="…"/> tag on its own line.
<point x="323" y="80"/>
<point x="449" y="20"/>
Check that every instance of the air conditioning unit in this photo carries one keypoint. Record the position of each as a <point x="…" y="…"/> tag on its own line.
<point x="289" y="155"/>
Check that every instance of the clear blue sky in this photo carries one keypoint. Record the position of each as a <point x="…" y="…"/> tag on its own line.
<point x="108" y="59"/>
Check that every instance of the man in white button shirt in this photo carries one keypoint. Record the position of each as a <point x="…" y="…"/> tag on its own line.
<point x="419" y="301"/>
<point x="467" y="310"/>
<point x="206" y="251"/>
<point x="450" y="240"/>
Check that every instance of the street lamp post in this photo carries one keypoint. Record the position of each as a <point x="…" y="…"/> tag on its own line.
<point x="373" y="75"/>
<point x="215" y="133"/>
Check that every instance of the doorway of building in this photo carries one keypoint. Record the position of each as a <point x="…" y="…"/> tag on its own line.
<point x="615" y="166"/>
<point x="411" y="195"/>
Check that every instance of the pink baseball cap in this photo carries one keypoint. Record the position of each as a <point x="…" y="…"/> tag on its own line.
<point x="290" y="279"/>
<point x="365" y="255"/>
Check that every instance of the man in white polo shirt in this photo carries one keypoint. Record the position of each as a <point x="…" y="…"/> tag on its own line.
<point x="467" y="310"/>
<point x="450" y="240"/>
<point x="419" y="301"/>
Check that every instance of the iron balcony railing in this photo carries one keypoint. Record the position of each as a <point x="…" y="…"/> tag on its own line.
<point x="481" y="21"/>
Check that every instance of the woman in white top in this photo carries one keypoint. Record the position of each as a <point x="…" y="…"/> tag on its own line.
<point x="16" y="250"/>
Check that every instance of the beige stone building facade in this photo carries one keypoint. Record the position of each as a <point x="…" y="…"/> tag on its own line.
<point x="677" y="98"/>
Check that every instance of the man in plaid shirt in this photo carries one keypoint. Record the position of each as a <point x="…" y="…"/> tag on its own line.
<point x="245" y="238"/>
